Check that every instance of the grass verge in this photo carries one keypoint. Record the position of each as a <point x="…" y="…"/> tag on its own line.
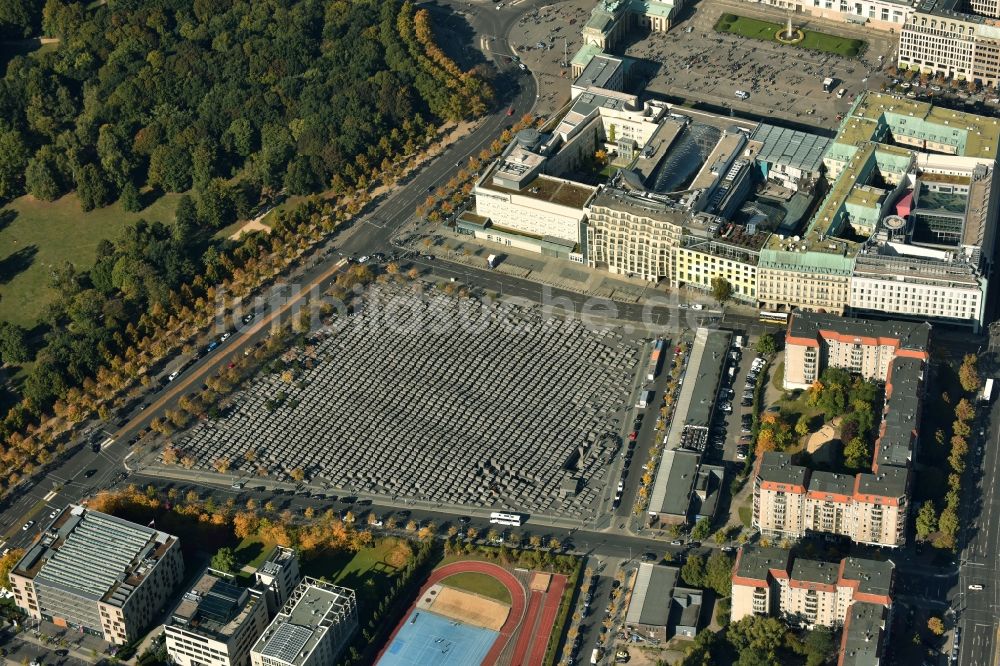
<point x="481" y="584"/>
<point x="563" y="615"/>
<point x="746" y="516"/>
<point x="778" y="377"/>
<point x="812" y="40"/>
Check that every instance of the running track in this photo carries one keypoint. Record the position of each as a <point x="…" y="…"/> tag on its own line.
<point x="513" y="618"/>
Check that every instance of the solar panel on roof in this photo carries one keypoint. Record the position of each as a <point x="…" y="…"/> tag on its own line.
<point x="287" y="642"/>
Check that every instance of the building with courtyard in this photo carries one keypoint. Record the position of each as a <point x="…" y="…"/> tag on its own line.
<point x="790" y="501"/>
<point x="98" y="574"/>
<point x="815" y="342"/>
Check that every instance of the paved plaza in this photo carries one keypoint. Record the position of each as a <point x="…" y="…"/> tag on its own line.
<point x="706" y="66"/>
<point x="439" y="399"/>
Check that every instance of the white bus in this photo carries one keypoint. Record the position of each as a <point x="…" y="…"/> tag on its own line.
<point x="500" y="518"/>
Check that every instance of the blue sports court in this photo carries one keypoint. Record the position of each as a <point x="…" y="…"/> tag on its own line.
<point x="432" y="640"/>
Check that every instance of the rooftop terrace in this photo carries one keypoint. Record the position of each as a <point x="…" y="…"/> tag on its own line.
<point x="550" y="190"/>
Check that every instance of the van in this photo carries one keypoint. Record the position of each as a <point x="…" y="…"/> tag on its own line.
<point x="645" y="398"/>
<point x="841" y="93"/>
<point x="595" y="656"/>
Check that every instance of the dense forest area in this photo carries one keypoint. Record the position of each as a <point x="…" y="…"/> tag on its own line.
<point x="173" y="94"/>
<point x="226" y="100"/>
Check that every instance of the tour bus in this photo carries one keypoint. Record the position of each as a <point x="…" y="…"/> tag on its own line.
<point x="774" y="318"/>
<point x="501" y="518"/>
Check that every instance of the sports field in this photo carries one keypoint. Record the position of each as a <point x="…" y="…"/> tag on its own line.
<point x="427" y="638"/>
<point x="479" y="583"/>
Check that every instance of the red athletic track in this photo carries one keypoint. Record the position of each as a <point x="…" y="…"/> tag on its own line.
<point x="501" y="574"/>
<point x="538" y="622"/>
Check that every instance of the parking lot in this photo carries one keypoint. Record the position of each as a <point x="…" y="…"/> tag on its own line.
<point x="440" y="399"/>
<point x="727" y="430"/>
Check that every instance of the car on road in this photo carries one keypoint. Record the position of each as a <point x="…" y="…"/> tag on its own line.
<point x="676" y="542"/>
<point x="510" y="111"/>
<point x="363" y="259"/>
<point x="27" y="526"/>
<point x="976" y="587"/>
<point x="465" y="520"/>
<point x="89" y="473"/>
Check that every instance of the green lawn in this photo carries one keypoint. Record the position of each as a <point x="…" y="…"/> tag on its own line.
<point x="252" y="552"/>
<point x="746" y="516"/>
<point x="778" y="377"/>
<point x="479" y="583"/>
<point x="766" y="31"/>
<point x="37" y="236"/>
<point x="369" y="572"/>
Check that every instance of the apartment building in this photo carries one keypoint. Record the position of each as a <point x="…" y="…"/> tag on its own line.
<point x="865" y="637"/>
<point x="792" y="500"/>
<point x="815" y="342"/>
<point x="278" y="576"/>
<point x="312" y="628"/>
<point x="98" y="574"/>
<point x="771" y="582"/>
<point x="216" y="623"/>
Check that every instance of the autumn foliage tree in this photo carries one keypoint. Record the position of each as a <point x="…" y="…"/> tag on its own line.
<point x="968" y="374"/>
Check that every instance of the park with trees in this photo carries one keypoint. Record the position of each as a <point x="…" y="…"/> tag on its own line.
<point x="225" y="108"/>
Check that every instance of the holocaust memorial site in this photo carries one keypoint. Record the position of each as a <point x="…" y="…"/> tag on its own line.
<point x="428" y="397"/>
